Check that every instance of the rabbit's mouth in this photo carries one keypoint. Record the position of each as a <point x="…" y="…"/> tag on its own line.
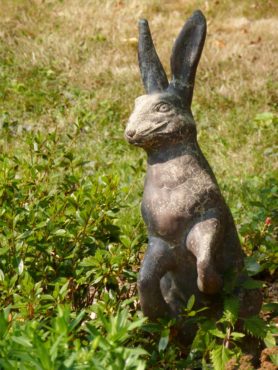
<point x="151" y="131"/>
<point x="147" y="135"/>
<point x="147" y="140"/>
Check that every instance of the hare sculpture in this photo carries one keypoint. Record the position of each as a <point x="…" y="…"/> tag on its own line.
<point x="193" y="242"/>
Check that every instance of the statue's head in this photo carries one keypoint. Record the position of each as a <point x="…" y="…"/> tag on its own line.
<point x="163" y="115"/>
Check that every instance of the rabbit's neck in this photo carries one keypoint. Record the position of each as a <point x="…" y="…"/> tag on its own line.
<point x="170" y="153"/>
<point x="176" y="165"/>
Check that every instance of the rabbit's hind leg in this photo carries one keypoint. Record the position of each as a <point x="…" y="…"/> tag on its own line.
<point x="158" y="260"/>
<point x="204" y="241"/>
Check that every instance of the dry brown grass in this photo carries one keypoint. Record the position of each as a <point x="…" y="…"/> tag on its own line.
<point x="93" y="45"/>
<point x="92" y="40"/>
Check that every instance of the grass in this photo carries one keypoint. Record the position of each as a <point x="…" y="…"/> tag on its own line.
<point x="71" y="234"/>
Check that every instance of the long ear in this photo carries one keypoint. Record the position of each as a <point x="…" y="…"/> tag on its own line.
<point x="152" y="72"/>
<point x="186" y="55"/>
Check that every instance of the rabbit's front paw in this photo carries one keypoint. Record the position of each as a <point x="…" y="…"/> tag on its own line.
<point x="209" y="280"/>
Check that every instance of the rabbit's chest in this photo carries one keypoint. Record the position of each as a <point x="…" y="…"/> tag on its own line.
<point x="172" y="199"/>
<point x="167" y="212"/>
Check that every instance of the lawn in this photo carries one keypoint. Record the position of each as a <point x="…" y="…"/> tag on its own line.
<point x="71" y="233"/>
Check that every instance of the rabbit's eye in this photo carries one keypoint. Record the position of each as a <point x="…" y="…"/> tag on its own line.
<point x="163" y="107"/>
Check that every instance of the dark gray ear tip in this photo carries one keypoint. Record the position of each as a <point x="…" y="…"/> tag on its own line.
<point x="143" y="22"/>
<point x="198" y="17"/>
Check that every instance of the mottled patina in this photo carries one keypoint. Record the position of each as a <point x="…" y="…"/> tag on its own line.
<point x="193" y="240"/>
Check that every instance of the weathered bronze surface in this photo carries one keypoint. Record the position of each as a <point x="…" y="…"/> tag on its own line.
<point x="193" y="242"/>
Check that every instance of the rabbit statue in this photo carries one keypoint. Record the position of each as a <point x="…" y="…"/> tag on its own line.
<point x="193" y="242"/>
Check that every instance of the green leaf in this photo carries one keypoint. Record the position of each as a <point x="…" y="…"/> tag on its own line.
<point x="25" y="235"/>
<point x="272" y="307"/>
<point x="164" y="340"/>
<point x="190" y="302"/>
<point x="252" y="266"/>
<point x="217" y="333"/>
<point x="4" y="324"/>
<point x="41" y="225"/>
<point x="137" y="323"/>
<point x="79" y="218"/>
<point x="125" y="240"/>
<point x="192" y="313"/>
<point x="64" y="289"/>
<point x="255" y="326"/>
<point x="77" y="320"/>
<point x="70" y="360"/>
<point x="55" y="346"/>
<point x="274" y="359"/>
<point x="60" y="232"/>
<point x="22" y="341"/>
<point x="269" y="340"/>
<point x="20" y="267"/>
<point x="42" y="353"/>
<point x="237" y="335"/>
<point x="231" y="307"/>
<point x="47" y="297"/>
<point x="249" y="283"/>
<point x="219" y="357"/>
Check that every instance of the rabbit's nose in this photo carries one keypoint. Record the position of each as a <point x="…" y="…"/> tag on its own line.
<point x="131" y="133"/>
